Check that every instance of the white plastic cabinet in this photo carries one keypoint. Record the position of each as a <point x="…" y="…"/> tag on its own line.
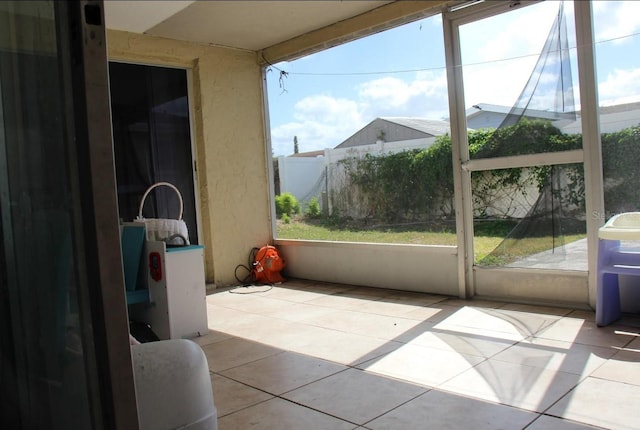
<point x="177" y="291"/>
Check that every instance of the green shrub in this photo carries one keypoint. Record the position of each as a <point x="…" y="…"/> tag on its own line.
<point x="287" y="204"/>
<point x="286" y="219"/>
<point x="418" y="184"/>
<point x="313" y="209"/>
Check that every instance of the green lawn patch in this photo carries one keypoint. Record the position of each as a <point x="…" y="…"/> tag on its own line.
<point x="488" y="236"/>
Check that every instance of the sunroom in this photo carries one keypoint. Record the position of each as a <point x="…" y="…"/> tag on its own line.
<point x="229" y="70"/>
<point x="183" y="92"/>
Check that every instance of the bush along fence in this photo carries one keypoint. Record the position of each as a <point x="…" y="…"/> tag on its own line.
<point x="417" y="184"/>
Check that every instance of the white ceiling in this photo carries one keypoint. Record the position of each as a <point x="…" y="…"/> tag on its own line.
<point x="251" y="25"/>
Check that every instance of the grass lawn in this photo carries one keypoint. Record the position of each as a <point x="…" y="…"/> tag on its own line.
<point x="487" y="236"/>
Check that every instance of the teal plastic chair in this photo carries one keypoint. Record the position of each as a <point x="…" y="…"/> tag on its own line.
<point x="132" y="242"/>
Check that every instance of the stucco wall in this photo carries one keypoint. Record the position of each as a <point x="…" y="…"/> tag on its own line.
<point x="425" y="269"/>
<point x="229" y="136"/>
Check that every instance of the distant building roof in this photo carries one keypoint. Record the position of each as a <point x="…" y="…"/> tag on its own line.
<point x="433" y="127"/>
<point x="475" y="109"/>
<point x="481" y="108"/>
<point x="309" y="154"/>
<point x="619" y="108"/>
<point x="612" y="118"/>
<point x="394" y="129"/>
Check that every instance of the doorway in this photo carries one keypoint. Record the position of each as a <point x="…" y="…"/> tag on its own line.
<point x="152" y="141"/>
<point x="513" y="66"/>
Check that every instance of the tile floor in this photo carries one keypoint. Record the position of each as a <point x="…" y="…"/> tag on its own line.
<point x="305" y="355"/>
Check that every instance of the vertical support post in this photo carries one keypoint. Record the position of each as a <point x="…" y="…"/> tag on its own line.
<point x="460" y="155"/>
<point x="591" y="143"/>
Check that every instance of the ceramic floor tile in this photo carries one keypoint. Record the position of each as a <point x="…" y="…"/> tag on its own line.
<point x="336" y="301"/>
<point x="236" y="298"/>
<point x="439" y="410"/>
<point x="231" y="396"/>
<point x="536" y="309"/>
<point x="229" y="320"/>
<point x="525" y="387"/>
<point x="226" y="298"/>
<point x="528" y="322"/>
<point x="354" y="395"/>
<point x="582" y="314"/>
<point x="470" y="344"/>
<point x="624" y="367"/>
<point x="634" y="345"/>
<point x="298" y="283"/>
<point x="254" y="290"/>
<point x="463" y="314"/>
<point x="220" y="317"/>
<point x="300" y="312"/>
<point x="262" y="328"/>
<point x="250" y="326"/>
<point x="413" y="298"/>
<point x="608" y="404"/>
<point x="487" y="356"/>
<point x="346" y="348"/>
<point x="472" y="302"/>
<point x="631" y="321"/>
<point x="523" y="324"/>
<point x="421" y="365"/>
<point x="341" y="301"/>
<point x="326" y="288"/>
<point x="378" y="326"/>
<point x="545" y="422"/>
<point x="283" y="372"/>
<point x="296" y="295"/>
<point x="632" y="334"/>
<point x="211" y="337"/>
<point x="385" y="307"/>
<point x="256" y="304"/>
<point x="505" y="333"/>
<point x="432" y="313"/>
<point x="235" y="352"/>
<point x="280" y="414"/>
<point x="371" y="293"/>
<point x="317" y="286"/>
<point x="557" y="355"/>
<point x="584" y="332"/>
<point x="329" y="344"/>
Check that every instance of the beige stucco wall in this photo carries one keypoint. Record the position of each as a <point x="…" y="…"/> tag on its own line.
<point x="229" y="137"/>
<point x="425" y="269"/>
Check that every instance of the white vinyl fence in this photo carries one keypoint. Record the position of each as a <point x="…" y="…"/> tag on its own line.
<point x="322" y="176"/>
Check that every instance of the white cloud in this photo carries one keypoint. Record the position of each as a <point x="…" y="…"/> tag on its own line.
<point x="509" y="35"/>
<point x="393" y="91"/>
<point x="321" y="121"/>
<point x="499" y="57"/>
<point x="500" y="54"/>
<point x="615" y="19"/>
<point x="620" y="86"/>
<point x="501" y="85"/>
<point x="324" y="108"/>
<point x="423" y="96"/>
<point x="612" y="22"/>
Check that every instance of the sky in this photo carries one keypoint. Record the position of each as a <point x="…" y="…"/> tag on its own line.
<point x="328" y="96"/>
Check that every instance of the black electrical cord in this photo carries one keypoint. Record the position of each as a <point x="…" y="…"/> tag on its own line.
<point x="249" y="268"/>
<point x="249" y="280"/>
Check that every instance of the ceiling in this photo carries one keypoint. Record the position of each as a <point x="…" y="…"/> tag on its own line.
<point x="250" y="25"/>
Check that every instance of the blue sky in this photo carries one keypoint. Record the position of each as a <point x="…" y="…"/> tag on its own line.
<point x="330" y="95"/>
